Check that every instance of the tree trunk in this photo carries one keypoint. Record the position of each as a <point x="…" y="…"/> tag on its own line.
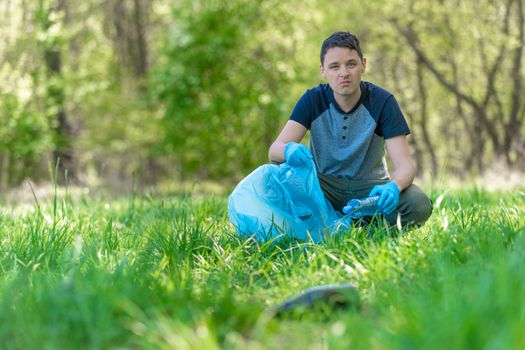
<point x="63" y="149"/>
<point x="141" y="54"/>
<point x="3" y="177"/>
<point x="515" y="123"/>
<point x="424" y="116"/>
<point x="127" y="30"/>
<point x="55" y="94"/>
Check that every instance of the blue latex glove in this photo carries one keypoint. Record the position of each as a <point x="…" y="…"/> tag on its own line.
<point x="297" y="154"/>
<point x="388" y="196"/>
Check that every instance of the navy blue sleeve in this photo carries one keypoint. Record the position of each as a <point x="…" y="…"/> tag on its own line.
<point x="392" y="123"/>
<point x="303" y="111"/>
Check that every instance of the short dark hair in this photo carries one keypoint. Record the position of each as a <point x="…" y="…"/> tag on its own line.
<point x="341" y="39"/>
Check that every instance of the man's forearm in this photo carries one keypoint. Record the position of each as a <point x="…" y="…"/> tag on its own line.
<point x="276" y="152"/>
<point x="403" y="176"/>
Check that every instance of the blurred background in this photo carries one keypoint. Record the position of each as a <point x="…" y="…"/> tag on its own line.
<point x="160" y="92"/>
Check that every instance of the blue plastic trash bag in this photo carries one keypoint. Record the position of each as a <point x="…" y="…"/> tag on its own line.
<point x="276" y="201"/>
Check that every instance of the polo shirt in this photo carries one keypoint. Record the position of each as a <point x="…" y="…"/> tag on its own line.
<point x="350" y="145"/>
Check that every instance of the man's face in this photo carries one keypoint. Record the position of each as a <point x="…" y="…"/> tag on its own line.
<point x="342" y="68"/>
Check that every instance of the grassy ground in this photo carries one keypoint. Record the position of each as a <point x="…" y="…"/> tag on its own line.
<point x="169" y="272"/>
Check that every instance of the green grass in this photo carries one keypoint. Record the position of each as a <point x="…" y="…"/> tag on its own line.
<point x="170" y="273"/>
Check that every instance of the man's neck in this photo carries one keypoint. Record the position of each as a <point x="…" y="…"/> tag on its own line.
<point x="347" y="102"/>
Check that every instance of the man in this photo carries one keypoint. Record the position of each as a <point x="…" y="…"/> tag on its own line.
<point x="350" y="122"/>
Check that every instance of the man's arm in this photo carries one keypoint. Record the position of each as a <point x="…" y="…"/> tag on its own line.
<point x="399" y="154"/>
<point x="292" y="132"/>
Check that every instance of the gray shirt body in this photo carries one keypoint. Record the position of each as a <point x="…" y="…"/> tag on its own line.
<point x="350" y="145"/>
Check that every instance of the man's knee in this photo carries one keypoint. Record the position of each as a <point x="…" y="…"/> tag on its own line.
<point x="415" y="206"/>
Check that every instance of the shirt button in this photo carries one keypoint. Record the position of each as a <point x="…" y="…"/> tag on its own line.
<point x="346" y="118"/>
<point x="344" y="127"/>
<point x="344" y="137"/>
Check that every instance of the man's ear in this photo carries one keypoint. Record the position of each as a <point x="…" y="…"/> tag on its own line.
<point x="364" y="65"/>
<point x="321" y="70"/>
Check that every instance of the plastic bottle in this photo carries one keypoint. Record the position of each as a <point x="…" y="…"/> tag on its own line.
<point x="357" y="208"/>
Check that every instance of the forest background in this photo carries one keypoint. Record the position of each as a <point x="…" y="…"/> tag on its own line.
<point x="157" y="92"/>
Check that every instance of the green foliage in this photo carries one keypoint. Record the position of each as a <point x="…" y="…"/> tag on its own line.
<point x="216" y="80"/>
<point x="170" y="272"/>
<point x="23" y="136"/>
<point x="29" y="100"/>
<point x="225" y="82"/>
<point x="24" y="132"/>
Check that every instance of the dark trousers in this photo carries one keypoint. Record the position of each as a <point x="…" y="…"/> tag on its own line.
<point x="414" y="206"/>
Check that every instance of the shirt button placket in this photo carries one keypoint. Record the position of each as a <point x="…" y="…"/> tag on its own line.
<point x="344" y="126"/>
